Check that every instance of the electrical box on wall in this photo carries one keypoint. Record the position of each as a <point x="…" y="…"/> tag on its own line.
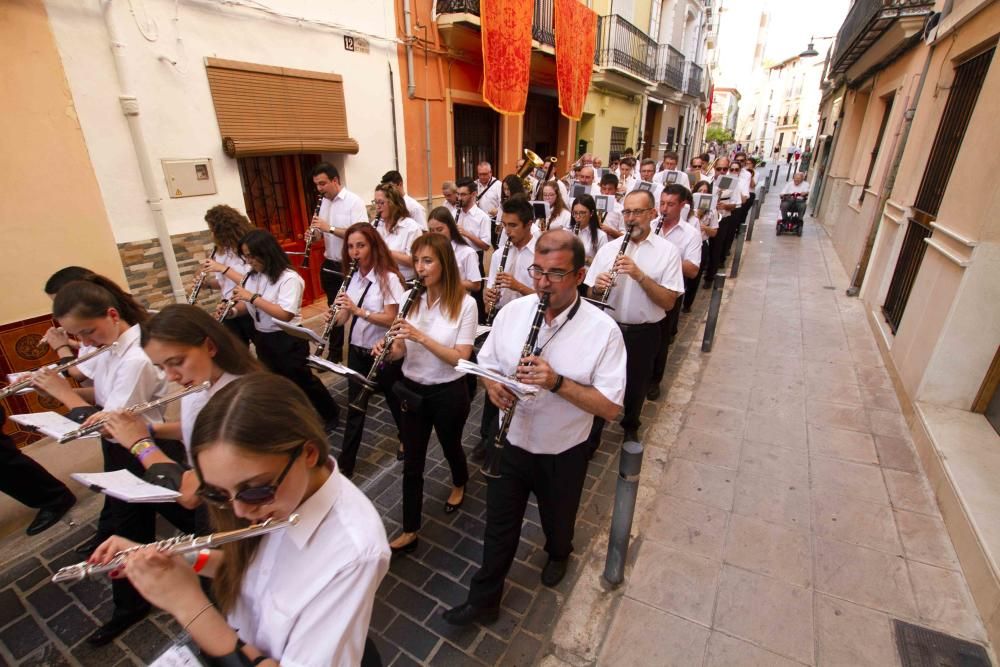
<point x="189" y="178"/>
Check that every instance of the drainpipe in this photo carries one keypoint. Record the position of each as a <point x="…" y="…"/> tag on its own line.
<point x="411" y="89"/>
<point x="392" y="110"/>
<point x="890" y="182"/>
<point x="130" y="107"/>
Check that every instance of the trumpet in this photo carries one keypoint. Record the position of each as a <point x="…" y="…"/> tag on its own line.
<point x="491" y="467"/>
<point x="24" y="383"/>
<point x="136" y="409"/>
<point x="201" y="281"/>
<point x="310" y="231"/>
<point x="368" y="385"/>
<point x="229" y="303"/>
<point x="491" y="313"/>
<point x="178" y="546"/>
<point x="336" y="309"/>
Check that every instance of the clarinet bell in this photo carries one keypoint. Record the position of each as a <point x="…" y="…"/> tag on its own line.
<point x="367" y="389"/>
<point x="491" y="466"/>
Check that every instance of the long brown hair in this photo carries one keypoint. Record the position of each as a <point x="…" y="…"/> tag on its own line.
<point x="395" y="204"/>
<point x="443" y="215"/>
<point x="228" y="226"/>
<point x="452" y="292"/>
<point x="382" y="262"/>
<point x="190" y="325"/>
<point x="264" y="414"/>
<point x="559" y="206"/>
<point x="91" y="297"/>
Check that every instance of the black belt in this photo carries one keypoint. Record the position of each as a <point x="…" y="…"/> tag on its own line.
<point x="361" y="350"/>
<point x="637" y="327"/>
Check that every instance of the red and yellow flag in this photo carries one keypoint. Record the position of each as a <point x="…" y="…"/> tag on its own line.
<point x="576" y="39"/>
<point x="506" y="32"/>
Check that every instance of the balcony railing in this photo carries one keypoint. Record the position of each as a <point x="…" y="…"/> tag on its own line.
<point x="670" y="67"/>
<point x="620" y="44"/>
<point x="694" y="80"/>
<point x="543" y="25"/>
<point x="866" y="22"/>
<point x="458" y="7"/>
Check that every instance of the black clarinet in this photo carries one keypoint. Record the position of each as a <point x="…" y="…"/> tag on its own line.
<point x="310" y="235"/>
<point x="320" y="347"/>
<point x="491" y="467"/>
<point x="378" y="219"/>
<point x="368" y="385"/>
<point x="491" y="313"/>
<point x="201" y="281"/>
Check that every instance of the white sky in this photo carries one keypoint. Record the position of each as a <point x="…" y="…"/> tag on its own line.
<point x="792" y="21"/>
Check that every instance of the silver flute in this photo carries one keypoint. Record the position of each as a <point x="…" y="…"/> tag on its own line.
<point x="136" y="409"/>
<point x="177" y="546"/>
<point x="15" y="387"/>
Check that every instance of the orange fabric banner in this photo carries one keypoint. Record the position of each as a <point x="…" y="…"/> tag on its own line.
<point x="576" y="39"/>
<point x="506" y="31"/>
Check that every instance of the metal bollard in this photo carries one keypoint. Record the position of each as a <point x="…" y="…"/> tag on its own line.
<point x="754" y="212"/>
<point x="776" y="170"/>
<point x="713" y="311"/>
<point x="629" y="467"/>
<point x="788" y="176"/>
<point x="734" y="269"/>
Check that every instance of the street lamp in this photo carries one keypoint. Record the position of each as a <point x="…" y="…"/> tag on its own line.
<point x="811" y="51"/>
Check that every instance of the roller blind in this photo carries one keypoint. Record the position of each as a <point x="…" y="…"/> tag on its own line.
<point x="265" y="110"/>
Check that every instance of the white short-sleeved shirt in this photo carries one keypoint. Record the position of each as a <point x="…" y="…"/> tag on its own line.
<point x="614" y="217"/>
<point x="548" y="423"/>
<point x="658" y="259"/>
<point x="468" y="262"/>
<point x="416" y="211"/>
<point x="340" y="212"/>
<point x="230" y="259"/>
<point x="562" y="221"/>
<point x="687" y="239"/>
<point x="401" y="239"/>
<point x="656" y="192"/>
<point x="518" y="261"/>
<point x="589" y="247"/>
<point x="286" y="291"/>
<point x="477" y="223"/>
<point x="192" y="404"/>
<point x="308" y="616"/>
<point x="488" y="196"/>
<point x="364" y="333"/>
<point x="125" y="376"/>
<point x="420" y="364"/>
<point x="792" y="189"/>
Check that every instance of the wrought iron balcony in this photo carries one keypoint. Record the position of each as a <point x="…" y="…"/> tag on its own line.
<point x="670" y="67"/>
<point x="542" y="26"/>
<point x="868" y="20"/>
<point x="694" y="80"/>
<point x="624" y="46"/>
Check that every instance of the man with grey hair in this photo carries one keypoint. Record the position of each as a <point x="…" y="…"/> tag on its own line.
<point x="450" y="193"/>
<point x="487" y="189"/>
<point x="789" y="201"/>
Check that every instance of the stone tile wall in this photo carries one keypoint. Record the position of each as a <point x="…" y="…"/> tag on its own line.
<point x="146" y="271"/>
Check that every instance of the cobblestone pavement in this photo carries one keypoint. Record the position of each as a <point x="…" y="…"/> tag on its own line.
<point x="45" y="624"/>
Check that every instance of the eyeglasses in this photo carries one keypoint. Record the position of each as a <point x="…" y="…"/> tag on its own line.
<point x="537" y="273"/>
<point x="253" y="495"/>
<point x="581" y="214"/>
<point x="632" y="212"/>
<point x="721" y="168"/>
<point x="734" y="169"/>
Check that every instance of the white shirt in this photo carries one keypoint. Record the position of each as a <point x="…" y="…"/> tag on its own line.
<point x="548" y="423"/>
<point x="589" y="248"/>
<point x="192" y="404"/>
<point x="306" y="598"/>
<point x="286" y="292"/>
<point x="687" y="239"/>
<point x="658" y="259"/>
<point x="401" y="240"/>
<point x="340" y="212"/>
<point x="416" y="211"/>
<point x="681" y="179"/>
<point x="451" y="209"/>
<point x="488" y="196"/>
<point x="468" y="262"/>
<point x="420" y="364"/>
<point x="231" y="259"/>
<point x="792" y="189"/>
<point x="364" y="333"/>
<point x="125" y="376"/>
<point x="745" y="178"/>
<point x="536" y="231"/>
<point x="518" y="261"/>
<point x="731" y="196"/>
<point x="477" y="223"/>
<point x="561" y="221"/>
<point x="614" y="218"/>
<point x="710" y="220"/>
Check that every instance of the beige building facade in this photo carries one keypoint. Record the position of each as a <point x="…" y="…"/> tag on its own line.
<point x="905" y="183"/>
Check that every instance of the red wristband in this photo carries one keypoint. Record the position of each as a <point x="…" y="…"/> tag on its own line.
<point x="202" y="560"/>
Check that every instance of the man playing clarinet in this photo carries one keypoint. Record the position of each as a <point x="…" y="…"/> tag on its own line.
<point x="544" y="451"/>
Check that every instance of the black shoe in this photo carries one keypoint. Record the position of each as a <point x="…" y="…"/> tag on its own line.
<point x="478" y="454"/>
<point x="467" y="614"/>
<point x="49" y="516"/>
<point x="118" y="624"/>
<point x="90" y="546"/>
<point x="554" y="571"/>
<point x="706" y="285"/>
<point x="407" y="548"/>
<point x="400" y="454"/>
<point x="449" y="508"/>
<point x="653" y="393"/>
<point x="631" y="435"/>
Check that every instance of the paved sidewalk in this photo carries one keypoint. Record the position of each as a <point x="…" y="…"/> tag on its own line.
<point x="783" y="517"/>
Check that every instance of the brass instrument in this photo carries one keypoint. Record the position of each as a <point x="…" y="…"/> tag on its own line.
<point x="24" y="383"/>
<point x="201" y="281"/>
<point x="491" y="467"/>
<point x="491" y="313"/>
<point x="531" y="162"/>
<point x="180" y="545"/>
<point x="137" y="409"/>
<point x="336" y="309"/>
<point x="368" y="385"/>
<point x="310" y="231"/>
<point x="229" y="303"/>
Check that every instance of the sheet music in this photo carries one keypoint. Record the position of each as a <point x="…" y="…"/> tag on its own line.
<point x="339" y="369"/>
<point x="298" y="331"/>
<point x="520" y="389"/>
<point x="125" y="486"/>
<point x="51" y="424"/>
<point x="482" y="330"/>
<point x="177" y="655"/>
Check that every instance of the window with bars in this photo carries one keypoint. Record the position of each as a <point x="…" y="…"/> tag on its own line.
<point x="476" y="134"/>
<point x="619" y="135"/>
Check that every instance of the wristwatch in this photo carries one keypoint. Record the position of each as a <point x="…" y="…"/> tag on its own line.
<point x="254" y="298"/>
<point x="365" y="314"/>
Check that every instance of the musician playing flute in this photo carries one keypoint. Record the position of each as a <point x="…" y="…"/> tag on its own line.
<point x="544" y="450"/>
<point x="649" y="282"/>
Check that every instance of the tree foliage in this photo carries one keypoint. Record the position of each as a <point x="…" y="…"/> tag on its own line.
<point x="718" y="134"/>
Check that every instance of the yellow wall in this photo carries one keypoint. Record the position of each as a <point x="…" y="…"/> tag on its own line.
<point x="609" y="110"/>
<point x="52" y="210"/>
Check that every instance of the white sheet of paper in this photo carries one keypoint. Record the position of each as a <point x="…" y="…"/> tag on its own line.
<point x="51" y="424"/>
<point x="339" y="369"/>
<point x="482" y="330"/>
<point x="125" y="486"/>
<point x="298" y="331"/>
<point x="520" y="389"/>
<point x="177" y="655"/>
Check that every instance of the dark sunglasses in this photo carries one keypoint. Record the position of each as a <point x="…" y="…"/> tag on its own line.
<point x="253" y="495"/>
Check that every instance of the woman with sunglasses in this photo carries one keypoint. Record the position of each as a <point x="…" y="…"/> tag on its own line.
<point x="298" y="596"/>
<point x="590" y="232"/>
<point x="441" y="222"/>
<point x="440" y="329"/>
<point x="397" y="229"/>
<point x="191" y="347"/>
<point x="228" y="268"/>
<point x="274" y="292"/>
<point x="371" y="304"/>
<point x="707" y="221"/>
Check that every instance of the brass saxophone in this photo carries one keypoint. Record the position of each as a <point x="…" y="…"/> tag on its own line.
<point x="336" y="309"/>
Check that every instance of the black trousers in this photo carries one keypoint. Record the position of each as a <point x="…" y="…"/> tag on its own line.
<point x="25" y="480"/>
<point x="478" y="296"/>
<point x="444" y="408"/>
<point x="360" y="359"/>
<point x="331" y="277"/>
<point x="642" y="343"/>
<point x="668" y="329"/>
<point x="286" y="355"/>
<point x="241" y="327"/>
<point x="691" y="284"/>
<point x="798" y="205"/>
<point x="557" y="482"/>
